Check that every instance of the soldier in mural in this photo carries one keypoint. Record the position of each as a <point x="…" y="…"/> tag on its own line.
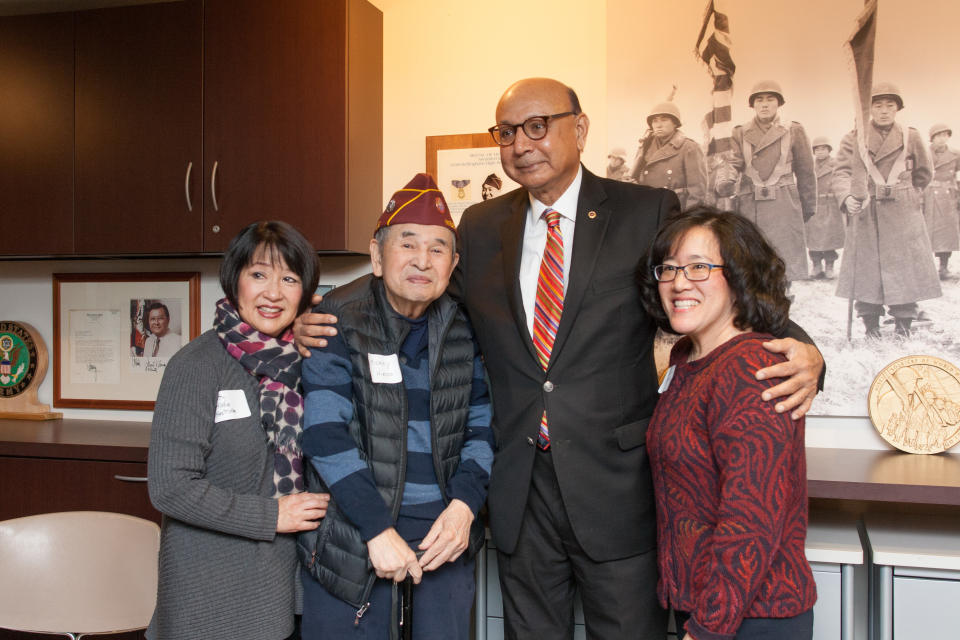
<point x="778" y="186"/>
<point x="886" y="258"/>
<point x="940" y="198"/>
<point x="825" y="229"/>
<point x="617" y="167"/>
<point x="669" y="159"/>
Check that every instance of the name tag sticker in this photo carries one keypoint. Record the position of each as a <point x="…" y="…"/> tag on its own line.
<point x="384" y="369"/>
<point x="667" y="378"/>
<point x="231" y="405"/>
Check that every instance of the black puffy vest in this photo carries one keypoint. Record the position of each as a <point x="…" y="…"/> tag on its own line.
<point x="334" y="553"/>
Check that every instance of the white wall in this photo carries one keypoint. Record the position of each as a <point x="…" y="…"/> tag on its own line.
<point x="447" y="62"/>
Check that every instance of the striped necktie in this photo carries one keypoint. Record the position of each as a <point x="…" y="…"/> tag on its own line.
<point x="549" y="304"/>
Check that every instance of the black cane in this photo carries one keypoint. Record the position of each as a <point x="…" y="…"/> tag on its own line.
<point x="406" y="609"/>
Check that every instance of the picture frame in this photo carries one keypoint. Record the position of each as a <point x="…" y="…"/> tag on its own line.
<point x="113" y="334"/>
<point x="466" y="168"/>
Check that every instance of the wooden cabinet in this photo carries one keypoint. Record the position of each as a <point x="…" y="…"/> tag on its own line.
<point x="36" y="134"/>
<point x="293" y="118"/>
<point x="139" y="129"/>
<point x="195" y="118"/>
<point x="74" y="465"/>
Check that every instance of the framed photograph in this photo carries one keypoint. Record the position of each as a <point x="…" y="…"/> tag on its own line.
<point x="467" y="169"/>
<point x="113" y="334"/>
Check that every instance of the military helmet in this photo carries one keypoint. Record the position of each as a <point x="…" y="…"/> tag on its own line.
<point x="665" y="109"/>
<point x="821" y="141"/>
<point x="939" y="128"/>
<point x="766" y="86"/>
<point x="886" y="90"/>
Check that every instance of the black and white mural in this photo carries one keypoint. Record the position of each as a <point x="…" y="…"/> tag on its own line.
<point x="871" y="247"/>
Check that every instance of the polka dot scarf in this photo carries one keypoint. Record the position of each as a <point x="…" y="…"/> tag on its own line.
<point x="276" y="362"/>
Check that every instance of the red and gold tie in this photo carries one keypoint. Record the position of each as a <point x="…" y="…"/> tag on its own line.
<point x="549" y="304"/>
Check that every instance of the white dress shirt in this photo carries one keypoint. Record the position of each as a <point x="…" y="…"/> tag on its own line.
<point x="535" y="240"/>
<point x="169" y="345"/>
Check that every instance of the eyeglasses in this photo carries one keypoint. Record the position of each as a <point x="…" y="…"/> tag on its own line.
<point x="535" y="128"/>
<point x="694" y="272"/>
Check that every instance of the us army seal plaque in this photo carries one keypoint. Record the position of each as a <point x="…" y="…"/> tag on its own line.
<point x="914" y="404"/>
<point x="23" y="363"/>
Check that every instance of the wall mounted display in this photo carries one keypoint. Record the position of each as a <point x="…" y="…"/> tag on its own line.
<point x="467" y="169"/>
<point x="114" y="333"/>
<point x="697" y="63"/>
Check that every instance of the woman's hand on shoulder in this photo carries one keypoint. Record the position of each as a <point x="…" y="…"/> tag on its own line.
<point x="301" y="511"/>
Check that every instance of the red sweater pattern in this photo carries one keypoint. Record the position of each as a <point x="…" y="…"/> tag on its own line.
<point x="730" y="480"/>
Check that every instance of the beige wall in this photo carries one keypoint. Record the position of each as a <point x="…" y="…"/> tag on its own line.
<point x="446" y="63"/>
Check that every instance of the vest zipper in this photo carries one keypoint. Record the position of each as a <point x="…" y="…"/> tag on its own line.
<point x="362" y="610"/>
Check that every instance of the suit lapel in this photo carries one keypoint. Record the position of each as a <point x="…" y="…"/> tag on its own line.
<point x="587" y="239"/>
<point x="511" y="239"/>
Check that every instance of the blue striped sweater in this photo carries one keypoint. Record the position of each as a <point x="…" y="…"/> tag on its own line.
<point x="327" y="443"/>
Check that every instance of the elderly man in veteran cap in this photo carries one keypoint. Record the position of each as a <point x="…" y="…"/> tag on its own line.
<point x="397" y="429"/>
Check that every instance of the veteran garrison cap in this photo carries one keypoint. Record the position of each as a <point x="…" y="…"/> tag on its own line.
<point x="420" y="202"/>
<point x="494" y="181"/>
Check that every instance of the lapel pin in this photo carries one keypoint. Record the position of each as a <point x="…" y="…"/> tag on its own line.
<point x="592" y="214"/>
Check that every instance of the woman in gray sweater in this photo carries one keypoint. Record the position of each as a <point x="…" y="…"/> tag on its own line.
<point x="224" y="464"/>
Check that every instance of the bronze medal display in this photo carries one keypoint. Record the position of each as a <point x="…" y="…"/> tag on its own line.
<point x="914" y="404"/>
<point x="23" y="363"/>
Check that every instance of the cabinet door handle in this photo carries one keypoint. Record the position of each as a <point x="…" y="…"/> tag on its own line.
<point x="186" y="187"/>
<point x="213" y="185"/>
<point x="129" y="478"/>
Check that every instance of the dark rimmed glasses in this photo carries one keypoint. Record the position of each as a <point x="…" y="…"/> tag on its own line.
<point x="534" y="127"/>
<point x="694" y="272"/>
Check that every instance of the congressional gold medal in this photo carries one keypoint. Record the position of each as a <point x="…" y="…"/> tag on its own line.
<point x="914" y="404"/>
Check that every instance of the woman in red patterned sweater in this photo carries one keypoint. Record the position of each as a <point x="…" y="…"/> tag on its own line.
<point x="729" y="471"/>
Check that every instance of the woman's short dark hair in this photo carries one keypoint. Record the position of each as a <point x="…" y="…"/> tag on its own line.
<point x="755" y="273"/>
<point x="279" y="240"/>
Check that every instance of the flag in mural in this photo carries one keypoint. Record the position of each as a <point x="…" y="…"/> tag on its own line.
<point x="859" y="50"/>
<point x="713" y="48"/>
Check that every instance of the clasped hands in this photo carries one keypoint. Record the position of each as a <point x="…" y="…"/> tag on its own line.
<point x="448" y="538"/>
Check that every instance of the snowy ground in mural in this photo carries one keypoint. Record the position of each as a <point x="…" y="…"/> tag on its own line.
<point x="852" y="365"/>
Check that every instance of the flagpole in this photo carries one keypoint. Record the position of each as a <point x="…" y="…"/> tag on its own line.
<point x="862" y="82"/>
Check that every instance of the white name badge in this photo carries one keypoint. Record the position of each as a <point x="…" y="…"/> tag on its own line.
<point x="384" y="369"/>
<point x="231" y="405"/>
<point x="667" y="378"/>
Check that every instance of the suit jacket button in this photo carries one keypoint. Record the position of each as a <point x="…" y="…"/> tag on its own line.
<point x="529" y="441"/>
<point x="548" y="386"/>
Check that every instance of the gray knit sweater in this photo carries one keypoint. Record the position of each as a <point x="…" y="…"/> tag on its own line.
<point x="224" y="571"/>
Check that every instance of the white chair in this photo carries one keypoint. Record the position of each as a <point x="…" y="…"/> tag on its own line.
<point x="78" y="573"/>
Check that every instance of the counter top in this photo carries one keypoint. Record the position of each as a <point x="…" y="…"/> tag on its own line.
<point x="845" y="474"/>
<point x="121" y="441"/>
<point x="887" y="476"/>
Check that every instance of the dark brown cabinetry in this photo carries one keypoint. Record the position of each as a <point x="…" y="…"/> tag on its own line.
<point x="292" y="118"/>
<point x="195" y="118"/>
<point x="74" y="465"/>
<point x="36" y="134"/>
<point x="139" y="137"/>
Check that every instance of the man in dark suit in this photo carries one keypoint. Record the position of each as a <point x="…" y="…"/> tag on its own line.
<point x="573" y="507"/>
